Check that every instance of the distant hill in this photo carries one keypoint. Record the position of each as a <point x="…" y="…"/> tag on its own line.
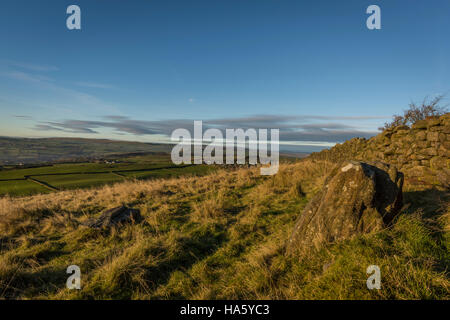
<point x="27" y="151"/>
<point x="15" y="151"/>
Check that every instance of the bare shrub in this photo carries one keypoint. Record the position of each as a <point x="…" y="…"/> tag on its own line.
<point x="415" y="112"/>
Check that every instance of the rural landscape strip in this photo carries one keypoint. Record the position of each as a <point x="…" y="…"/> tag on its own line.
<point x="118" y="172"/>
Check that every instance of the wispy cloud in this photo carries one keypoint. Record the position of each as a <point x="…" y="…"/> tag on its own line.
<point x="23" y="117"/>
<point x="292" y="128"/>
<point x="44" y="127"/>
<point x="31" y="66"/>
<point x="25" y="76"/>
<point x="76" y="97"/>
<point x="95" y="85"/>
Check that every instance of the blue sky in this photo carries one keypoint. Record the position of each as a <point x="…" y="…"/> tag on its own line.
<point x="138" y="69"/>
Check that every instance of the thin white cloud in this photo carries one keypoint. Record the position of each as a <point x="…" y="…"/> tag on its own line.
<point x="23" y="117"/>
<point x="31" y="66"/>
<point x="95" y="85"/>
<point x="24" y="76"/>
<point x="75" y="97"/>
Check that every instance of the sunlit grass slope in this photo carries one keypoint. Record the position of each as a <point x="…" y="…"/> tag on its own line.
<point x="220" y="236"/>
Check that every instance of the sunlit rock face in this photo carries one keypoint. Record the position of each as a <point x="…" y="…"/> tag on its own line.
<point x="356" y="198"/>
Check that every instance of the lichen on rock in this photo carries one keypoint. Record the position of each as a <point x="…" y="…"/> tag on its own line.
<point x="357" y="198"/>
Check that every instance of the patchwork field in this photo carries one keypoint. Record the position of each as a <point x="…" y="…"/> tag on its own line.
<point x="47" y="178"/>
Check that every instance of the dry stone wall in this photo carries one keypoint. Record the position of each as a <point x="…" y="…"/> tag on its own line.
<point x="421" y="152"/>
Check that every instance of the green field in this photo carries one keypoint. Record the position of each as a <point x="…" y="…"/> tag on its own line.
<point x="21" y="188"/>
<point x="24" y="181"/>
<point x="129" y="163"/>
<point x="43" y="179"/>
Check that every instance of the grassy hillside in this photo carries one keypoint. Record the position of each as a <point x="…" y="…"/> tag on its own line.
<point x="220" y="236"/>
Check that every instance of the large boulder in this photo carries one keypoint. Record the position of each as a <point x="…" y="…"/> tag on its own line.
<point x="357" y="198"/>
<point x="113" y="217"/>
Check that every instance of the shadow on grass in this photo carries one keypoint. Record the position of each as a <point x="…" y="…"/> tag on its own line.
<point x="27" y="284"/>
<point x="431" y="202"/>
<point x="190" y="250"/>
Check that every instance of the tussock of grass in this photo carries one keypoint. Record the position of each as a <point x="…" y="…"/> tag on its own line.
<point x="220" y="236"/>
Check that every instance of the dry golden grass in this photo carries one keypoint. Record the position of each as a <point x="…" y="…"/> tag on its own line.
<point x="220" y="236"/>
